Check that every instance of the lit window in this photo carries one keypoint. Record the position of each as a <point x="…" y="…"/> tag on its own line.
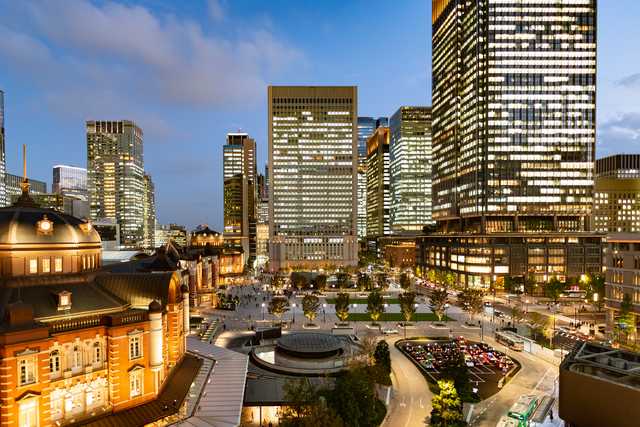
<point x="29" y="414"/>
<point x="46" y="266"/>
<point x="76" y="358"/>
<point x="58" y="265"/>
<point x="135" y="383"/>
<point x="96" y="354"/>
<point x="27" y="371"/>
<point x="54" y="363"/>
<point x="134" y="347"/>
<point x="33" y="266"/>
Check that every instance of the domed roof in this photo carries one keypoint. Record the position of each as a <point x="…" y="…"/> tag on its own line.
<point x="202" y="237"/>
<point x="34" y="225"/>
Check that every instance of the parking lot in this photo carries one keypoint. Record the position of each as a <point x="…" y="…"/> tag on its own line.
<point x="483" y="376"/>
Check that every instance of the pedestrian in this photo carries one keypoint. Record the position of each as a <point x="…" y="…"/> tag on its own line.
<point x="270" y="424"/>
<point x="252" y="416"/>
<point x="264" y="423"/>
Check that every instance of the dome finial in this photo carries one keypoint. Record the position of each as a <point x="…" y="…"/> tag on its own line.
<point x="25" y="199"/>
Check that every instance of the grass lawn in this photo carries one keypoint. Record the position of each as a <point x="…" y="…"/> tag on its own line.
<point x="396" y="317"/>
<point x="364" y="301"/>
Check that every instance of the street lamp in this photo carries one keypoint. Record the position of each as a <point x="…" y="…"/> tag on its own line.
<point x="355" y="319"/>
<point x="324" y="306"/>
<point x="446" y="306"/>
<point x="527" y="301"/>
<point x="595" y="300"/>
<point x="385" y="312"/>
<point x="416" y="306"/>
<point x="262" y="312"/>
<point x="293" y="310"/>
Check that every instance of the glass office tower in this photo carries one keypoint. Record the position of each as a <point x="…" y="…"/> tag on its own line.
<point x="70" y="180"/>
<point x="240" y="193"/>
<point x="312" y="181"/>
<point x="115" y="175"/>
<point x="366" y="127"/>
<point x="3" y="189"/>
<point x="410" y="170"/>
<point x="514" y="94"/>
<point x="378" y="183"/>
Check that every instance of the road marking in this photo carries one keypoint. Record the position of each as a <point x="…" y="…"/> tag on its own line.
<point x="388" y="394"/>
<point x="403" y="404"/>
<point x="410" y="410"/>
<point x="543" y="377"/>
<point x="470" y="412"/>
<point x="421" y="405"/>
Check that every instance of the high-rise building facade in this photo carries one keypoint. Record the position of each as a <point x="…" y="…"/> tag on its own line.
<point x="12" y="186"/>
<point x="149" y="213"/>
<point x="263" y="231"/>
<point x="378" y="183"/>
<point x="115" y="175"/>
<point x="266" y="180"/>
<point x="410" y="170"/>
<point x="513" y="91"/>
<point x="313" y="176"/>
<point x="3" y="167"/>
<point x="240" y="192"/>
<point x="617" y="197"/>
<point x="366" y="127"/>
<point x="70" y="181"/>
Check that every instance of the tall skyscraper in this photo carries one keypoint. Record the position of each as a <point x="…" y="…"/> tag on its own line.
<point x="617" y="198"/>
<point x="240" y="193"/>
<point x="266" y="180"/>
<point x="149" y="213"/>
<point x="410" y="170"/>
<point x="313" y="176"/>
<point x="70" y="181"/>
<point x="366" y="127"/>
<point x="514" y="89"/>
<point x="3" y="188"/>
<point x="115" y="174"/>
<point x="378" y="183"/>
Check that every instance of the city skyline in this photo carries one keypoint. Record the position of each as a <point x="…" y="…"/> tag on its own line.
<point x="303" y="44"/>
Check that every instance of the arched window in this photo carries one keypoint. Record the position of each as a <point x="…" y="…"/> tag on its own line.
<point x="76" y="358"/>
<point x="54" y="363"/>
<point x="96" y="354"/>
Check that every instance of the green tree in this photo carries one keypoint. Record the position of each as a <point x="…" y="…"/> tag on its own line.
<point x="531" y="282"/>
<point x="431" y="275"/>
<point x="455" y="368"/>
<point x="428" y="229"/>
<point x="298" y="281"/>
<point x="277" y="281"/>
<point x="342" y="305"/>
<point x="554" y="288"/>
<point x="449" y="278"/>
<point x="405" y="282"/>
<point x="383" y="357"/>
<point x="321" y="282"/>
<point x="278" y="306"/>
<point x="446" y="411"/>
<point x="382" y="282"/>
<point x="310" y="306"/>
<point x="343" y="399"/>
<point x="417" y="272"/>
<point x="626" y="321"/>
<point x="299" y="395"/>
<point x="471" y="301"/>
<point x="536" y="323"/>
<point x="548" y="329"/>
<point x="513" y="284"/>
<point x="364" y="282"/>
<point x="517" y="314"/>
<point x="320" y="415"/>
<point x="438" y="302"/>
<point x="407" y="303"/>
<point x="342" y="280"/>
<point x="375" y="305"/>
<point x="266" y="265"/>
<point x="594" y="285"/>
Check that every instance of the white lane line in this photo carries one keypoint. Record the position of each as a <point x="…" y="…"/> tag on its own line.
<point x="546" y="373"/>
<point x="388" y="394"/>
<point x="410" y="410"/>
<point x="470" y="412"/>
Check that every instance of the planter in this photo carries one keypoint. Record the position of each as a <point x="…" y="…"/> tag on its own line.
<point x="438" y="326"/>
<point x="471" y="326"/>
<point x="310" y="326"/>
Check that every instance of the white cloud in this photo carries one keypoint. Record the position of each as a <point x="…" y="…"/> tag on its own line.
<point x="217" y="9"/>
<point x="619" y="134"/>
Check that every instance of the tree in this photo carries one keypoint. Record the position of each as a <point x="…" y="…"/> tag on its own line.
<point x="321" y="282"/>
<point x="626" y="320"/>
<point x="536" y="323"/>
<point x="331" y="268"/>
<point x="299" y="395"/>
<point x="364" y="282"/>
<point x="548" y="329"/>
<point x="455" y="368"/>
<point x="554" y="288"/>
<point x="517" y="314"/>
<point x="531" y="282"/>
<point x="342" y="280"/>
<point x="513" y="284"/>
<point x="449" y="278"/>
<point x="342" y="305"/>
<point x="383" y="283"/>
<point x="417" y="272"/>
<point x="321" y="415"/>
<point x="266" y="265"/>
<point x="471" y="302"/>
<point x="438" y="302"/>
<point x="343" y="399"/>
<point x="383" y="357"/>
<point x="375" y="305"/>
<point x="431" y="275"/>
<point x="405" y="282"/>
<point x="447" y="411"/>
<point x="278" y="306"/>
<point x="595" y="285"/>
<point x="310" y="306"/>
<point x="277" y="281"/>
<point x="428" y="229"/>
<point x="298" y="281"/>
<point x="407" y="303"/>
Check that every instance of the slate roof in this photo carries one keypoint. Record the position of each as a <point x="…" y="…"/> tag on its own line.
<point x="140" y="289"/>
<point x="175" y="388"/>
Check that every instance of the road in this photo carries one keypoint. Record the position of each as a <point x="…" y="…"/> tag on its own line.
<point x="413" y="397"/>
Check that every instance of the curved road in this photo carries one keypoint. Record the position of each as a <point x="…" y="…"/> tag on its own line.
<point x="413" y="397"/>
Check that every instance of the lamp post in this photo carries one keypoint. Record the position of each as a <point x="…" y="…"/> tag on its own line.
<point x="333" y="290"/>
<point x="493" y="319"/>
<point x="355" y="319"/>
<point x="527" y="301"/>
<point x="446" y="306"/>
<point x="293" y="310"/>
<point x="385" y="312"/>
<point x="416" y="306"/>
<point x="324" y="314"/>
<point x="262" y="312"/>
<point x="595" y="300"/>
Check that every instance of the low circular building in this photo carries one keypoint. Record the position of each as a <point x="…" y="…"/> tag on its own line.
<point x="309" y="346"/>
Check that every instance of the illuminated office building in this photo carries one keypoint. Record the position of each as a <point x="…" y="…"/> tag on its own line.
<point x="366" y="127"/>
<point x="149" y="213"/>
<point x="115" y="175"/>
<point x="70" y="181"/>
<point x="266" y="180"/>
<point x="240" y="192"/>
<point x="410" y="170"/>
<point x="378" y="183"/>
<point x="513" y="91"/>
<point x="618" y="194"/>
<point x="3" y="191"/>
<point x="313" y="176"/>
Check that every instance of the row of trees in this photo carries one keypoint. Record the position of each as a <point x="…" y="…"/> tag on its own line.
<point x="353" y="399"/>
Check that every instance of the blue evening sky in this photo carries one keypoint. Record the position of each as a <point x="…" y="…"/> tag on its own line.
<point x="190" y="72"/>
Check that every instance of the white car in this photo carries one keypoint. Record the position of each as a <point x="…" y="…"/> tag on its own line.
<point x="389" y="331"/>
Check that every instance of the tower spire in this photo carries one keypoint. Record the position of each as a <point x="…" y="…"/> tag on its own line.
<point x="25" y="199"/>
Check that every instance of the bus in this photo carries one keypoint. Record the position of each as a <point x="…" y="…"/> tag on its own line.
<point x="523" y="409"/>
<point x="507" y="422"/>
<point x="509" y="339"/>
<point x="575" y="294"/>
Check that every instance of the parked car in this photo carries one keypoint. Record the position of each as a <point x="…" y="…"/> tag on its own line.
<point x="490" y="357"/>
<point x="389" y="331"/>
<point x="477" y="361"/>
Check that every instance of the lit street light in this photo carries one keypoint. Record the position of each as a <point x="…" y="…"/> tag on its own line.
<point x="446" y="306"/>
<point x="293" y="310"/>
<point x="324" y="306"/>
<point x="595" y="300"/>
<point x="355" y="319"/>
<point x="262" y="312"/>
<point x="385" y="312"/>
<point x="416" y="306"/>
